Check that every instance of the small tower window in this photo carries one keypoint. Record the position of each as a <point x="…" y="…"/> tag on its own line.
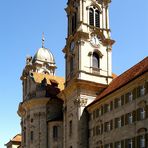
<point x="96" y="60"/>
<point x="91" y="17"/>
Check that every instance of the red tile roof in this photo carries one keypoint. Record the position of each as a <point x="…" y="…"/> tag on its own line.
<point x="124" y="78"/>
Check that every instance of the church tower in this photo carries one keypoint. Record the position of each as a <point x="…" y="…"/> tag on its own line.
<point x="88" y="58"/>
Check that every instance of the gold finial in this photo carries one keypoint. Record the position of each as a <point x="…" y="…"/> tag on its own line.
<point x="43" y="40"/>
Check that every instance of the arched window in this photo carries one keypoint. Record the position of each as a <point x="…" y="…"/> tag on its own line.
<point x="97" y="18"/>
<point x="91" y="17"/>
<point x="94" y="17"/>
<point x="96" y="60"/>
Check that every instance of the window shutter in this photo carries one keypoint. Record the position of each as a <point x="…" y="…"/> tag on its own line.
<point x="94" y="131"/>
<point x="97" y="18"/>
<point x="126" y="142"/>
<point x="126" y="119"/>
<point x="101" y="128"/>
<point x="138" y="91"/>
<point x="146" y="139"/>
<point x="138" y="114"/>
<point x="122" y="144"/>
<point x="122" y="120"/>
<point x="134" y="116"/>
<point x="138" y="141"/>
<point x="146" y="87"/>
<point x="97" y="113"/>
<point x="115" y="122"/>
<point x="115" y="103"/>
<point x="105" y="108"/>
<point x="101" y="110"/>
<point x="105" y="126"/>
<point x="133" y="140"/>
<point x="134" y="94"/>
<point x="111" y="105"/>
<point x="91" y="17"/>
<point x="146" y="109"/>
<point x="122" y="100"/>
<point x="94" y="114"/>
<point x="126" y="98"/>
<point x="111" y="122"/>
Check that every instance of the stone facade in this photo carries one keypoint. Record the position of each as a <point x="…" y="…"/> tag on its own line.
<point x="121" y="116"/>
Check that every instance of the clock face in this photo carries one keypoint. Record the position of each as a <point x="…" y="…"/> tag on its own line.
<point x="72" y="45"/>
<point x="95" y="41"/>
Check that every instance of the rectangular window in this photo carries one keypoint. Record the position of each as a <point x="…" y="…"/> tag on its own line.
<point x="118" y="145"/>
<point x="130" y="118"/>
<point x="117" y="102"/>
<point x="100" y="113"/>
<point x="108" y="126"/>
<point x="142" y="113"/>
<point x="130" y="143"/>
<point x="129" y="97"/>
<point x="142" y="90"/>
<point x="107" y="107"/>
<point x="98" y="130"/>
<point x="118" y="122"/>
<point x="55" y="132"/>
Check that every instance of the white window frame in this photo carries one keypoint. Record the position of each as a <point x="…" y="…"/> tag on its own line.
<point x="142" y="141"/>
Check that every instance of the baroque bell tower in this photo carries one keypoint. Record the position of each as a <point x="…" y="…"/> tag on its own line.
<point x="88" y="58"/>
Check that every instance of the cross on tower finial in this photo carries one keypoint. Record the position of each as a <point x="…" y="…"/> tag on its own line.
<point x="43" y="40"/>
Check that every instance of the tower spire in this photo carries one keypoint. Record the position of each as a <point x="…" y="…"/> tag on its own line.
<point x="43" y="40"/>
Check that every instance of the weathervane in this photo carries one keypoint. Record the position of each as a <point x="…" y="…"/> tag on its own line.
<point x="43" y="40"/>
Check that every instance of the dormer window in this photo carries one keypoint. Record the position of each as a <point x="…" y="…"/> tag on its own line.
<point x="94" y="17"/>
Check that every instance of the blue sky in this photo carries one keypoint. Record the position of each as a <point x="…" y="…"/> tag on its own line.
<point x="21" y="25"/>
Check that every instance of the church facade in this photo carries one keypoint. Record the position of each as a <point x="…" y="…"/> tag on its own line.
<point x="91" y="107"/>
